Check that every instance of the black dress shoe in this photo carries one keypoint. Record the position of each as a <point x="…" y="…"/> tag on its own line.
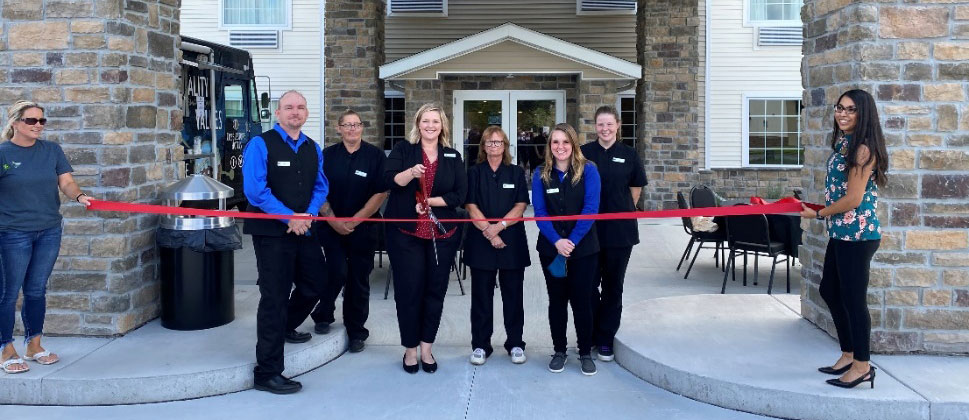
<point x="868" y="377"/>
<point x="356" y="345"/>
<point x="410" y="368"/>
<point x="429" y="367"/>
<point x="832" y="371"/>
<point x="277" y="385"/>
<point x="322" y="328"/>
<point x="296" y="337"/>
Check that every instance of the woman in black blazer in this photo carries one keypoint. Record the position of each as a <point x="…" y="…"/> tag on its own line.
<point x="427" y="182"/>
<point x="496" y="190"/>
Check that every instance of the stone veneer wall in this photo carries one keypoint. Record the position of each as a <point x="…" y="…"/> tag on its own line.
<point x="106" y="72"/>
<point x="913" y="59"/>
<point x="669" y="54"/>
<point x="742" y="183"/>
<point x="354" y="50"/>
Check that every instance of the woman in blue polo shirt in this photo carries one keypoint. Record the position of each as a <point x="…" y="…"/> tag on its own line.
<point x="857" y="165"/>
<point x="567" y="185"/>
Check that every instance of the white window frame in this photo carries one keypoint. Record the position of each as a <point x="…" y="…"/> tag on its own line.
<point x="285" y="27"/>
<point x="745" y="118"/>
<point x="580" y="12"/>
<point x="443" y="12"/>
<point x="755" y="23"/>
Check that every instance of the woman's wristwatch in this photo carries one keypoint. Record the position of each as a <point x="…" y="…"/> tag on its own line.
<point x="504" y="224"/>
<point x="78" y="198"/>
<point x="817" y="215"/>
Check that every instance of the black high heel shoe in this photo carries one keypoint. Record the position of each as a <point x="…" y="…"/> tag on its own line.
<point x="868" y="377"/>
<point x="429" y="367"/>
<point x="832" y="371"/>
<point x="409" y="368"/>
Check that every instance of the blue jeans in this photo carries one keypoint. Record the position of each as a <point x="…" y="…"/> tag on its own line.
<point x="26" y="261"/>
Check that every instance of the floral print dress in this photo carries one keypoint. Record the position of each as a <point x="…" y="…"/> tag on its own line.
<point x="860" y="224"/>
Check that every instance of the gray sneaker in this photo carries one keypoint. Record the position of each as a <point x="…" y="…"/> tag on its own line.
<point x="588" y="366"/>
<point x="558" y="362"/>
<point x="478" y="357"/>
<point x="517" y="355"/>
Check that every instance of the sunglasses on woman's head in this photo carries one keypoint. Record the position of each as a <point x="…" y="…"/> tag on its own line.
<point x="34" y="121"/>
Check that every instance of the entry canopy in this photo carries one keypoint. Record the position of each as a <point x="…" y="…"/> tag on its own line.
<point x="511" y="49"/>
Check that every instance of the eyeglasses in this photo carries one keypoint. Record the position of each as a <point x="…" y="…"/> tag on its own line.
<point x="850" y="110"/>
<point x="351" y="125"/>
<point x="34" y="121"/>
<point x="494" y="143"/>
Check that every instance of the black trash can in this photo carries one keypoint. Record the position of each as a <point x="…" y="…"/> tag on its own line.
<point x="197" y="277"/>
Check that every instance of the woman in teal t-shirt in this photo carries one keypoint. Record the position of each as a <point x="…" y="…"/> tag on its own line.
<point x="858" y="164"/>
<point x="31" y="172"/>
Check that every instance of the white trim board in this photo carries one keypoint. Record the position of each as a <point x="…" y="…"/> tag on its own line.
<point x="510" y="32"/>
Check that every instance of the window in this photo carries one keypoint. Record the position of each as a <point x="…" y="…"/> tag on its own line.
<point x="627" y="113"/>
<point x="774" y="12"/>
<point x="774" y="132"/>
<point x="256" y="13"/>
<point x="394" y="126"/>
<point x="234" y="104"/>
<point x="417" y="7"/>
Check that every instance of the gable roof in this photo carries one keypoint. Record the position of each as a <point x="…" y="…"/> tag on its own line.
<point x="622" y="69"/>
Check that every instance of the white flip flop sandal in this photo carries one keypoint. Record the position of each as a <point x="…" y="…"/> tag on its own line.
<point x="36" y="358"/>
<point x="14" y="361"/>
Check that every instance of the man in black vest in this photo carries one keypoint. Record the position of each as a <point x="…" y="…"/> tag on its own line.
<point x="283" y="174"/>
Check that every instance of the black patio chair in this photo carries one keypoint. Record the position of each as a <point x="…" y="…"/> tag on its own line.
<point x="751" y="233"/>
<point x="700" y="238"/>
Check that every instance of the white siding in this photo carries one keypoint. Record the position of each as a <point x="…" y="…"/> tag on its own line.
<point x="296" y="65"/>
<point x="737" y="67"/>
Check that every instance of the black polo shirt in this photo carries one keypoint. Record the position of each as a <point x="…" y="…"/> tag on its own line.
<point x="620" y="168"/>
<point x="495" y="193"/>
<point x="354" y="177"/>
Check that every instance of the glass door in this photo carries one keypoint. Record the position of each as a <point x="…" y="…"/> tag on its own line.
<point x="475" y="110"/>
<point x="535" y="113"/>
<point x="525" y="115"/>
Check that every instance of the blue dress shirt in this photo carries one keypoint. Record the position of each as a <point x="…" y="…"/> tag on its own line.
<point x="254" y="172"/>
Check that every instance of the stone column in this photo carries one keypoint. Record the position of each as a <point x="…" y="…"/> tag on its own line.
<point x="354" y="37"/>
<point x="668" y="46"/>
<point x="592" y="95"/>
<point x="106" y="70"/>
<point x="912" y="58"/>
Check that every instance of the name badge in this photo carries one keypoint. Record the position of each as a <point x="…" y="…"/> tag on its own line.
<point x="282" y="163"/>
<point x="551" y="190"/>
<point x="450" y="155"/>
<point x="618" y="160"/>
<point x="360" y="173"/>
<point x="507" y="186"/>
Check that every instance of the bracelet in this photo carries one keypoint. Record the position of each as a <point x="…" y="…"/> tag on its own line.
<point x="817" y="215"/>
<point x="78" y="197"/>
<point x="504" y="224"/>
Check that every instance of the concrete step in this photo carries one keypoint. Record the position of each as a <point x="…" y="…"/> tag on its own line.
<point x="754" y="353"/>
<point x="154" y="364"/>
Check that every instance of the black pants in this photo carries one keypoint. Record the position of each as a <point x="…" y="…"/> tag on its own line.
<point x="420" y="283"/>
<point x="608" y="301"/>
<point x="282" y="261"/>
<point x="844" y="288"/>
<point x="349" y="261"/>
<point x="482" y="307"/>
<point x="576" y="288"/>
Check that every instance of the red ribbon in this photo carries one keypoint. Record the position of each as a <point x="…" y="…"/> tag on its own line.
<point x="787" y="205"/>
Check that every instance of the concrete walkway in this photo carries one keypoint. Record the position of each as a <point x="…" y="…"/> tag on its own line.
<point x="372" y="384"/>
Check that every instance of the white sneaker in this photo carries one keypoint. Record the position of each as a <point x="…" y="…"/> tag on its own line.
<point x="517" y="355"/>
<point x="478" y="357"/>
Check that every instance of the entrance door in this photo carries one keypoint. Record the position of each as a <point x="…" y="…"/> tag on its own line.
<point x="525" y="115"/>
